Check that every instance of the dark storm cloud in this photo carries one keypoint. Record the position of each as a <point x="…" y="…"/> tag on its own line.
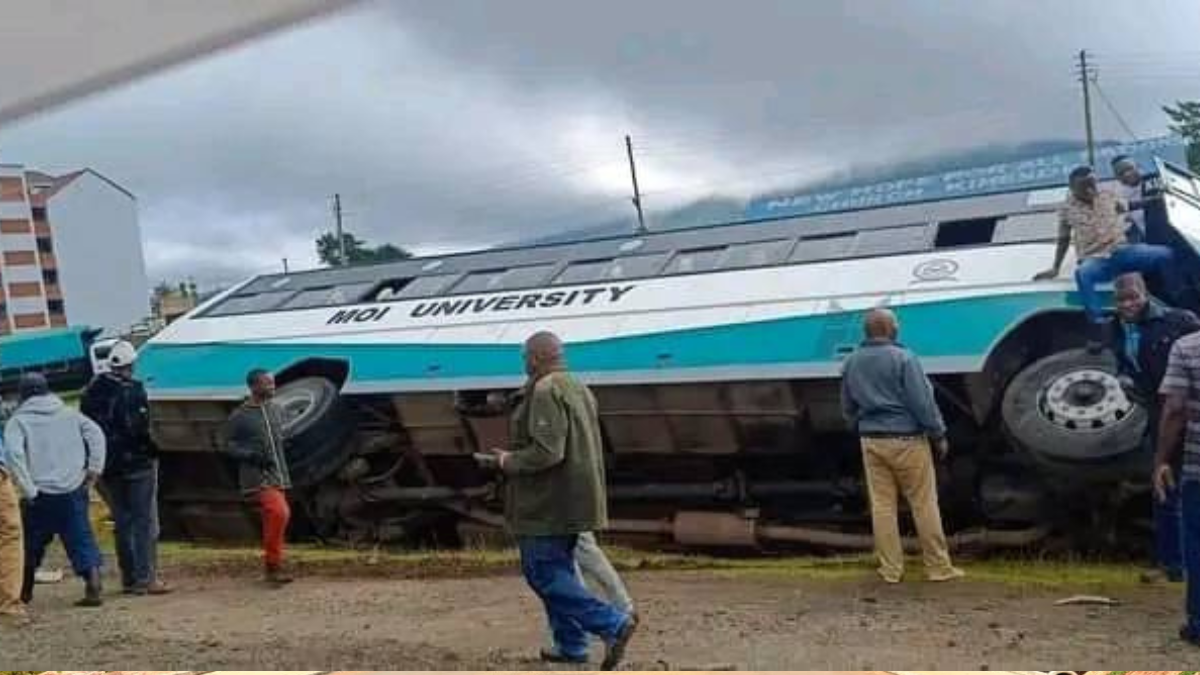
<point x="463" y="123"/>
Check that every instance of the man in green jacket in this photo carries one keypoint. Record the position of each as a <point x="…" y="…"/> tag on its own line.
<point x="556" y="492"/>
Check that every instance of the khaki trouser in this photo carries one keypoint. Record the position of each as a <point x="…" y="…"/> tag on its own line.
<point x="12" y="550"/>
<point x="904" y="465"/>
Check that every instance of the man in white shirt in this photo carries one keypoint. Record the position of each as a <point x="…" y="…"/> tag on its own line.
<point x="1129" y="188"/>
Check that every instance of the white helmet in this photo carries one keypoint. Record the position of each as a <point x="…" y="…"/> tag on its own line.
<point x="122" y="355"/>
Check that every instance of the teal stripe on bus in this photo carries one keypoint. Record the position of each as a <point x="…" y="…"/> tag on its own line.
<point x="956" y="328"/>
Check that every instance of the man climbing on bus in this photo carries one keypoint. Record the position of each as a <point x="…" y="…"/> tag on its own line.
<point x="256" y="439"/>
<point x="1145" y="332"/>
<point x="1095" y="220"/>
<point x="889" y="402"/>
<point x="1131" y="188"/>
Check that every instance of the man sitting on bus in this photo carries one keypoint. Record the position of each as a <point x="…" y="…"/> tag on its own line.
<point x="1096" y="221"/>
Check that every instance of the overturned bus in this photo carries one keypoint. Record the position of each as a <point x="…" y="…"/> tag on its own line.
<point x="714" y="353"/>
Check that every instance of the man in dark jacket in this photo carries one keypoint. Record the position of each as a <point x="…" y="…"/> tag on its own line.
<point x="556" y="492"/>
<point x="117" y="402"/>
<point x="256" y="440"/>
<point x="1146" y="331"/>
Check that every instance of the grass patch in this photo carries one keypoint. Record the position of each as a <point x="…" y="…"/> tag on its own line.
<point x="439" y="564"/>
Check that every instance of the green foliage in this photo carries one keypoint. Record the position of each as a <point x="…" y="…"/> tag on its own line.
<point x="1185" y="121"/>
<point x="357" y="251"/>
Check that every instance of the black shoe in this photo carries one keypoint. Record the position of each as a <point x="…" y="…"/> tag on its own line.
<point x="555" y="656"/>
<point x="27" y="586"/>
<point x="616" y="649"/>
<point x="92" y="590"/>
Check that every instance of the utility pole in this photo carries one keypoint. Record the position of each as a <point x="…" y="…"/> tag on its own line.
<point x="285" y="266"/>
<point x="1085" y="78"/>
<point x="341" y="239"/>
<point x="637" y="193"/>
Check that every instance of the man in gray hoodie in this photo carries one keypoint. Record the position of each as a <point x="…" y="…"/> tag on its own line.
<point x="64" y="453"/>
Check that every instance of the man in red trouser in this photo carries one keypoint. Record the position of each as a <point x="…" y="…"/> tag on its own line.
<point x="255" y="438"/>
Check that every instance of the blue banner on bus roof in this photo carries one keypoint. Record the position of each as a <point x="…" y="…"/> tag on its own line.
<point x="1039" y="172"/>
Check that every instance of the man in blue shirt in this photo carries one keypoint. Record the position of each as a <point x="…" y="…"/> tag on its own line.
<point x="888" y="401"/>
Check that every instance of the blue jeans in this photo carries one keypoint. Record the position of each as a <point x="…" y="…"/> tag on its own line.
<point x="133" y="503"/>
<point x="1143" y="258"/>
<point x="66" y="516"/>
<point x="549" y="567"/>
<point x="1190" y="498"/>
<point x="1168" y="534"/>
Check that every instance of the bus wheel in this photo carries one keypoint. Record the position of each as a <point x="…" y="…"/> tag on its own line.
<point x="318" y="426"/>
<point x="1069" y="409"/>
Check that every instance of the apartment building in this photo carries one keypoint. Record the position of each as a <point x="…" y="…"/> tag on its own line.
<point x="70" y="252"/>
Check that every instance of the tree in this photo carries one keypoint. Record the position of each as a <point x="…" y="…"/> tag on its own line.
<point x="357" y="251"/>
<point x="1185" y="118"/>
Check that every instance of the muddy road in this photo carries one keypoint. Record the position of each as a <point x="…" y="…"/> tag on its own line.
<point x="693" y="620"/>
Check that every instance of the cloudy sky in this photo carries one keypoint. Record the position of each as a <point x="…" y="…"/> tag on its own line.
<point x="463" y="123"/>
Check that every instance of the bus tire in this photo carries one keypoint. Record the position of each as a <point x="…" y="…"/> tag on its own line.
<point x="1068" y="411"/>
<point x="318" y="427"/>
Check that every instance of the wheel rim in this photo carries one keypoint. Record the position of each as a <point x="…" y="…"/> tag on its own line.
<point x="295" y="405"/>
<point x="1085" y="400"/>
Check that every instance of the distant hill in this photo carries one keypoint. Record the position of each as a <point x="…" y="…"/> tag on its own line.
<point x="717" y="209"/>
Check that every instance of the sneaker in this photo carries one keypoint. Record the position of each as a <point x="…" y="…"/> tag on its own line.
<point x="1153" y="576"/>
<point x="275" y="576"/>
<point x="555" y="656"/>
<point x="949" y="575"/>
<point x="615" y="652"/>
<point x="889" y="578"/>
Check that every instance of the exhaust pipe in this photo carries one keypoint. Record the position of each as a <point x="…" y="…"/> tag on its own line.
<point x="727" y="530"/>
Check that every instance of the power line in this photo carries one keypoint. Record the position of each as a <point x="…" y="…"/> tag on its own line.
<point x="1115" y="113"/>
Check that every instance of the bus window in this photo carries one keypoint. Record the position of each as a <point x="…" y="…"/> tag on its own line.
<point x="1025" y="227"/>
<point x="415" y="288"/>
<point x="500" y="280"/>
<point x="583" y="272"/>
<point x="695" y="260"/>
<point x="330" y="295"/>
<point x="969" y="232"/>
<point x="822" y="248"/>
<point x="628" y="267"/>
<point x="894" y="240"/>
<point x="247" y="304"/>
<point x="633" y="266"/>
<point x="756" y="254"/>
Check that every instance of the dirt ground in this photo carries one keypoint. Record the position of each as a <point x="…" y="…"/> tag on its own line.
<point x="707" y="620"/>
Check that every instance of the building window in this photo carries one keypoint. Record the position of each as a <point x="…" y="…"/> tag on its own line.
<point x="50" y="277"/>
<point x="12" y="190"/>
<point x="25" y="289"/>
<point x="15" y="258"/>
<point x="22" y="321"/>
<point x="44" y="245"/>
<point x="56" y="307"/>
<point x="39" y="214"/>
<point x="14" y="226"/>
